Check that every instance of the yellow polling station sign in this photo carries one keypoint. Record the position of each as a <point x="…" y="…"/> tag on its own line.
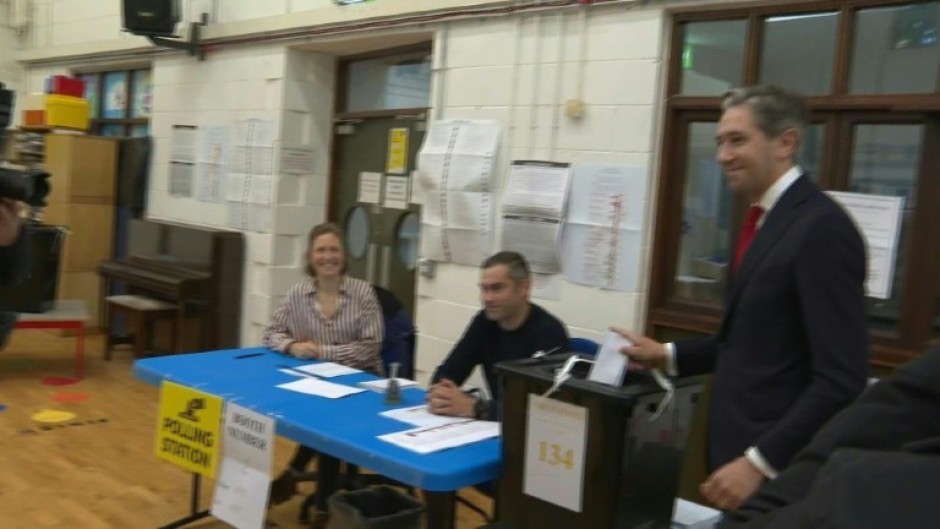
<point x="189" y="428"/>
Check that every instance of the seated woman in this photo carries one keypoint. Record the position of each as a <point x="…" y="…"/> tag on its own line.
<point x="329" y="317"/>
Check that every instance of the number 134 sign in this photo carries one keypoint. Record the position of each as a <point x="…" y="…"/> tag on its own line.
<point x="554" y="452"/>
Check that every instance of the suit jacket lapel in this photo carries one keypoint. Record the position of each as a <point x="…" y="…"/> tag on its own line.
<point x="771" y="231"/>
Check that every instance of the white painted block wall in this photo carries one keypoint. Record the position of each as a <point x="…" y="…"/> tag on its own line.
<point x="517" y="70"/>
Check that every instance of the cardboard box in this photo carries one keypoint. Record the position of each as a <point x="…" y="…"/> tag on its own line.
<point x="67" y="111"/>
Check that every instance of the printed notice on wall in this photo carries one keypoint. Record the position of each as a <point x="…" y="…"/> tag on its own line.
<point x="212" y="163"/>
<point x="296" y="160"/>
<point x="396" y="192"/>
<point x="370" y="187"/>
<point x="397" y="162"/>
<point x="182" y="160"/>
<point x="455" y="185"/>
<point x="878" y="218"/>
<point x="554" y="452"/>
<point x="600" y="243"/>
<point x="241" y="492"/>
<point x="533" y="208"/>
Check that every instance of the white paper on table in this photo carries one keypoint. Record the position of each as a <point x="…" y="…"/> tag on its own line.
<point x="429" y="439"/>
<point x="370" y="187"/>
<point x="610" y="364"/>
<point x="320" y="388"/>
<point x="554" y="452"/>
<point x="328" y="369"/>
<point x="381" y="384"/>
<point x="420" y="416"/>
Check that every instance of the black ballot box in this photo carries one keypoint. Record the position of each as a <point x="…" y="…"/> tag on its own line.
<point x="36" y="291"/>
<point x="590" y="454"/>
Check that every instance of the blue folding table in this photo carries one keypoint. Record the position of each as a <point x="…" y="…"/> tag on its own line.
<point x="346" y="428"/>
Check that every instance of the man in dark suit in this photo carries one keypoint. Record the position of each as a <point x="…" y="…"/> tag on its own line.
<point x="792" y="349"/>
<point x="875" y="464"/>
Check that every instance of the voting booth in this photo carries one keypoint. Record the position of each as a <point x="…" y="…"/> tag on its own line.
<point x="590" y="454"/>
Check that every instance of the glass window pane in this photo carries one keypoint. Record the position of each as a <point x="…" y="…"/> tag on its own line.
<point x="407" y="237"/>
<point x="811" y="152"/>
<point x="143" y="94"/>
<point x="400" y="81"/>
<point x="896" y="50"/>
<point x="706" y="218"/>
<point x="91" y="92"/>
<point x="139" y="131"/>
<point x="885" y="161"/>
<point x="112" y="130"/>
<point x="713" y="57"/>
<point x="797" y="52"/>
<point x="358" y="232"/>
<point x="115" y="95"/>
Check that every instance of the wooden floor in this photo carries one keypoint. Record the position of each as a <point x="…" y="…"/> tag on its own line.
<point x="99" y="469"/>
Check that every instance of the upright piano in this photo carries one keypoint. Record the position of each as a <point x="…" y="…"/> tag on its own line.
<point x="198" y="268"/>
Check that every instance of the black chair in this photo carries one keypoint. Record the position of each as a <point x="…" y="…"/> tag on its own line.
<point x="398" y="347"/>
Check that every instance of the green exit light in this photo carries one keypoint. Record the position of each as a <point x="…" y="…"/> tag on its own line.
<point x="687" y="57"/>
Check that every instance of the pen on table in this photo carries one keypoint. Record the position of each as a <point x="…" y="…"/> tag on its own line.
<point x="299" y="372"/>
<point x="249" y="355"/>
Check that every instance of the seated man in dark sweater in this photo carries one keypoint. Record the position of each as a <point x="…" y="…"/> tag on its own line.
<point x="508" y="328"/>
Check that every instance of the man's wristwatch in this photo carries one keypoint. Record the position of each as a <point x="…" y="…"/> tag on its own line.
<point x="481" y="408"/>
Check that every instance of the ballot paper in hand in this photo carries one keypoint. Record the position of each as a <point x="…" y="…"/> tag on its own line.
<point x="610" y="364"/>
<point x="688" y="515"/>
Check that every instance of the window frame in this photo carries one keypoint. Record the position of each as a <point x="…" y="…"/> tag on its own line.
<point x="666" y="316"/>
<point x="127" y="123"/>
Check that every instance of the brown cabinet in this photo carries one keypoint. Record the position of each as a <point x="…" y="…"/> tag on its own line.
<point x="82" y="174"/>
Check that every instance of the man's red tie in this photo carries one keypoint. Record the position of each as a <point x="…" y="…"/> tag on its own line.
<point x="747" y="234"/>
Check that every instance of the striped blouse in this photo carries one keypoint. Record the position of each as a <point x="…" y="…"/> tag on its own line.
<point x="352" y="337"/>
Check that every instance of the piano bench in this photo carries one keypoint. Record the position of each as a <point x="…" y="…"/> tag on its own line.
<point x="140" y="312"/>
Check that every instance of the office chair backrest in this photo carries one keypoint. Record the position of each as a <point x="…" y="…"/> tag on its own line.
<point x="584" y="346"/>
<point x="399" y="343"/>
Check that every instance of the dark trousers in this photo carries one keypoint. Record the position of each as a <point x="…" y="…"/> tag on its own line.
<point x="327" y="472"/>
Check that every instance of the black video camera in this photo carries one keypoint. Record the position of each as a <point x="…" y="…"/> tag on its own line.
<point x="30" y="187"/>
